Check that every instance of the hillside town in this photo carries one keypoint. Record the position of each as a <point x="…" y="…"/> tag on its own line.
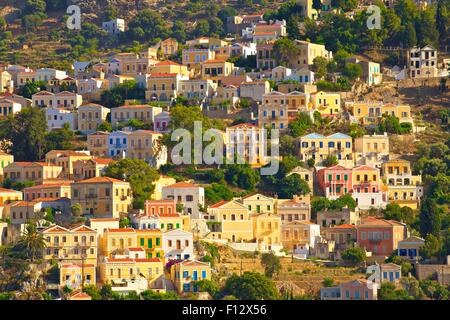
<point x="96" y="204"/>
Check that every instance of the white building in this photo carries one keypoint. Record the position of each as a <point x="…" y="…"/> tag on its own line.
<point x="46" y="74"/>
<point x="8" y="106"/>
<point x="197" y="89"/>
<point x="117" y="143"/>
<point x="187" y="194"/>
<point x="280" y="73"/>
<point x="422" y="62"/>
<point x="57" y="117"/>
<point x="64" y="99"/>
<point x="115" y="26"/>
<point x="303" y="75"/>
<point x="178" y="244"/>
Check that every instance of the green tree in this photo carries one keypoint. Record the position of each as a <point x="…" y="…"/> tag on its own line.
<point x="354" y="255"/>
<point x="283" y="50"/>
<point x="32" y="242"/>
<point x="139" y="174"/>
<point x="105" y="126"/>
<point x="250" y="286"/>
<point x="430" y="218"/>
<point x="330" y="160"/>
<point x="388" y="291"/>
<point x="328" y="282"/>
<point x="271" y="264"/>
<point x="60" y="139"/>
<point x="352" y="71"/>
<point x="32" y="87"/>
<point x="116" y="96"/>
<point x="208" y="286"/>
<point x="432" y="246"/>
<point x="26" y="131"/>
<point x="320" y="67"/>
<point x="301" y="124"/>
<point x="292" y="185"/>
<point x="242" y="176"/>
<point x="148" y="25"/>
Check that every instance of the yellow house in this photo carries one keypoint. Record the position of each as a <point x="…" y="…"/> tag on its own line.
<point x="5" y="159"/>
<point x="328" y="104"/>
<point x="184" y="274"/>
<point x="77" y="245"/>
<point x="230" y="220"/>
<point x="169" y="67"/>
<point x="168" y="47"/>
<point x="318" y="147"/>
<point x="90" y="116"/>
<point x="193" y="57"/>
<point x="403" y="187"/>
<point x="102" y="196"/>
<point x="144" y="145"/>
<point x="267" y="230"/>
<point x="116" y="240"/>
<point x="97" y="143"/>
<point x="273" y="112"/>
<point x="32" y="171"/>
<point x="85" y="169"/>
<point x="72" y="274"/>
<point x="307" y="52"/>
<point x="369" y="113"/>
<point x="216" y="69"/>
<point x="144" y="113"/>
<point x="162" y="182"/>
<point x="150" y="241"/>
<point x="9" y="195"/>
<point x="66" y="160"/>
<point x="258" y="203"/>
<point x="371" y="149"/>
<point x="49" y="190"/>
<point x="6" y="82"/>
<point x="126" y="274"/>
<point x="163" y="86"/>
<point x="246" y="141"/>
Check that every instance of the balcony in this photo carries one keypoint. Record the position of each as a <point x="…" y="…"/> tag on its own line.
<point x="375" y="241"/>
<point x="123" y="198"/>
<point x="91" y="196"/>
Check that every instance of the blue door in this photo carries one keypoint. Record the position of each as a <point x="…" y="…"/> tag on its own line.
<point x="195" y="275"/>
<point x="186" y="287"/>
<point x="391" y="276"/>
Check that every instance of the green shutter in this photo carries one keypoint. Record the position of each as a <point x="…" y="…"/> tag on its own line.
<point x="330" y="177"/>
<point x="162" y="225"/>
<point x="178" y="225"/>
<point x="149" y="243"/>
<point x="142" y="242"/>
<point x="158" y="241"/>
<point x="158" y="255"/>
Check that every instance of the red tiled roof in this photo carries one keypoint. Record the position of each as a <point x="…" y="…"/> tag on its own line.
<point x="130" y="230"/>
<point x="99" y="180"/>
<point x="147" y="260"/>
<point x="167" y="63"/>
<point x="182" y="185"/>
<point x="161" y="75"/>
<point x="219" y="204"/>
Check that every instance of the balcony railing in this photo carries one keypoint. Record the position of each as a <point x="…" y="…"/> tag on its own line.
<point x="91" y="196"/>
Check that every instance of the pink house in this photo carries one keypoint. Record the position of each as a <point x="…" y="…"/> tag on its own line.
<point x="161" y="122"/>
<point x="360" y="289"/>
<point x="335" y="181"/>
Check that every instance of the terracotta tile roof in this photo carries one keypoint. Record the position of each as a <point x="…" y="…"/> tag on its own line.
<point x="147" y="260"/>
<point x="219" y="204"/>
<point x="374" y="222"/>
<point x="364" y="168"/>
<point x="168" y="63"/>
<point x="214" y="61"/>
<point x="244" y="125"/>
<point x="119" y="260"/>
<point x="79" y="295"/>
<point x="133" y="106"/>
<point x="182" y="185"/>
<point x="103" y="219"/>
<point x="136" y="249"/>
<point x="48" y="185"/>
<point x="120" y="230"/>
<point x="103" y="160"/>
<point x="161" y="75"/>
<point x="345" y="226"/>
<point x="8" y="190"/>
<point x="100" y="180"/>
